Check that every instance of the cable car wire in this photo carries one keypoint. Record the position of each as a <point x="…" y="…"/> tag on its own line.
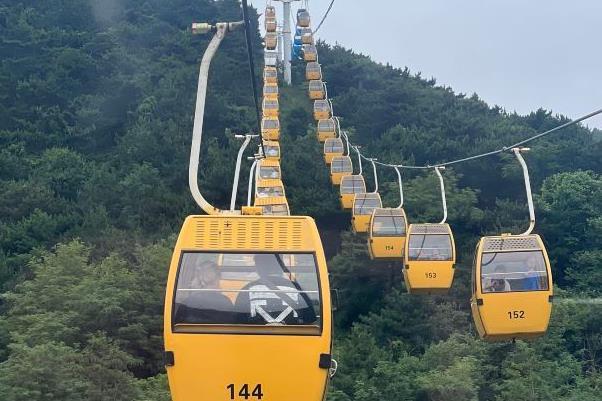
<point x="324" y="17"/>
<point x="245" y="15"/>
<point x="493" y="152"/>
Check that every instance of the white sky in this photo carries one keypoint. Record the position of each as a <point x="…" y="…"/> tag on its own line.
<point x="518" y="54"/>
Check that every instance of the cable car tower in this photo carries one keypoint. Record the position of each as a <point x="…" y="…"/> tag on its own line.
<point x="286" y="33"/>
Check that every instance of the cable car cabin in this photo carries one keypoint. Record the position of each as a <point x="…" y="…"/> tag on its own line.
<point x="272" y="150"/>
<point x="270" y="129"/>
<point x="333" y="147"/>
<point x="429" y="258"/>
<point x="269" y="188"/>
<point x="274" y="206"/>
<point x="363" y="206"/>
<point x="306" y="35"/>
<point x="351" y="185"/>
<point x="310" y="53"/>
<point x="340" y="167"/>
<point x="271" y="40"/>
<point x="270" y="24"/>
<point x="247" y="310"/>
<point x="313" y="71"/>
<point x="303" y="19"/>
<point x="270" y="58"/>
<point x="268" y="169"/>
<point x="388" y="228"/>
<point x="270" y="91"/>
<point x="270" y="75"/>
<point x="512" y="287"/>
<point x="322" y="109"/>
<point x="326" y="129"/>
<point x="270" y="108"/>
<point x="316" y="90"/>
<point x="270" y="12"/>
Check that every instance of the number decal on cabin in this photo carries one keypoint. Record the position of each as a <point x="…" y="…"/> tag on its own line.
<point x="244" y="391"/>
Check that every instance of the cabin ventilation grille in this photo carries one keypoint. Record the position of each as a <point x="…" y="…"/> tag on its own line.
<point x="250" y="234"/>
<point x="430" y="229"/>
<point x="510" y="243"/>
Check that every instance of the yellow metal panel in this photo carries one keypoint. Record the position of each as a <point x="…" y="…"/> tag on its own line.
<point x="270" y="135"/>
<point x="335" y="178"/>
<point x="313" y="75"/>
<point x="324" y="135"/>
<point x="386" y="247"/>
<point x="428" y="277"/>
<point x="346" y="200"/>
<point x="329" y="156"/>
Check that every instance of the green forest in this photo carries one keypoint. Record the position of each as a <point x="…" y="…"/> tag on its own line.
<point x="96" y="106"/>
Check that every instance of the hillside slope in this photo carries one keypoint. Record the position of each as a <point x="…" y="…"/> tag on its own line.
<point x="95" y="125"/>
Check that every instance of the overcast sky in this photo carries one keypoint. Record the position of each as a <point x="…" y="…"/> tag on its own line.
<point x="518" y="54"/>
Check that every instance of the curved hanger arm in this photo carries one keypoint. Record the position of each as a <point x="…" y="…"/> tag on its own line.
<point x="250" y="187"/>
<point x="375" y="175"/>
<point x="519" y="156"/>
<point x="237" y="169"/>
<point x="443" y="199"/>
<point x="359" y="159"/>
<point x="199" y="112"/>
<point x="400" y="187"/>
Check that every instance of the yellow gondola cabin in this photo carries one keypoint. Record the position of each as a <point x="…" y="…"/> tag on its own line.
<point x="270" y="129"/>
<point x="270" y="75"/>
<point x="310" y="53"/>
<point x="268" y="169"/>
<point x="313" y="71"/>
<point x="340" y="167"/>
<point x="388" y="228"/>
<point x="429" y="258"/>
<point x="271" y="40"/>
<point x="363" y="206"/>
<point x="272" y="150"/>
<point x="275" y="206"/>
<point x="333" y="147"/>
<point x="326" y="129"/>
<point x="351" y="185"/>
<point x="247" y="309"/>
<point x="322" y="109"/>
<point x="269" y="188"/>
<point x="317" y="90"/>
<point x="512" y="287"/>
<point x="270" y="108"/>
<point x="270" y="91"/>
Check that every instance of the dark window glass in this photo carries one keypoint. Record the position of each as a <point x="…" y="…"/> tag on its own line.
<point x="387" y="226"/>
<point x="513" y="271"/>
<point x="247" y="289"/>
<point x="430" y="247"/>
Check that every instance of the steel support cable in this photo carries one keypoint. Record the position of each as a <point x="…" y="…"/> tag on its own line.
<point x="245" y="16"/>
<point x="493" y="152"/>
<point x="324" y="17"/>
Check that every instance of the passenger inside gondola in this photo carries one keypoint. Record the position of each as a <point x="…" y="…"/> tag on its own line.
<point x="201" y="303"/>
<point x="522" y="271"/>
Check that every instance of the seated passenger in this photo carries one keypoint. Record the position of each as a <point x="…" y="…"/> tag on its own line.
<point x="205" y="303"/>
<point x="273" y="298"/>
<point x="531" y="280"/>
<point x="498" y="284"/>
